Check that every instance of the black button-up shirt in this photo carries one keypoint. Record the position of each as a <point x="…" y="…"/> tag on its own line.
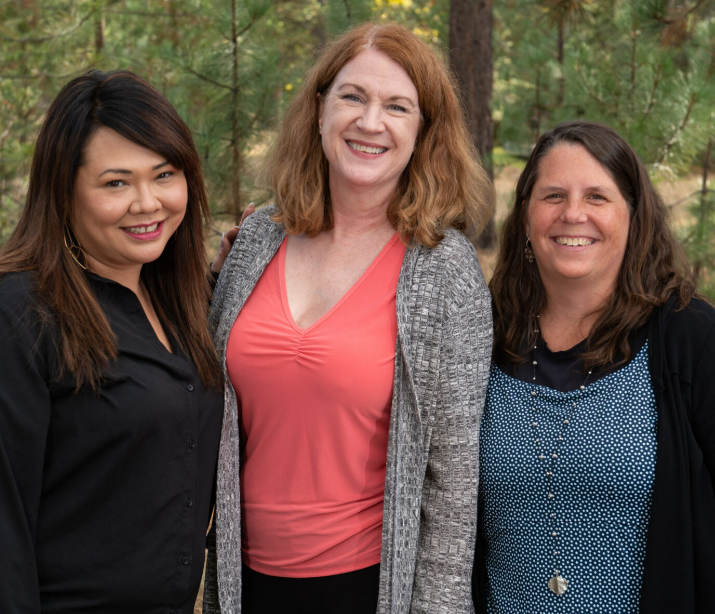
<point x="105" y="497"/>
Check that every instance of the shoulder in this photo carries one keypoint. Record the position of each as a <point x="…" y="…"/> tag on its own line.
<point x="259" y="223"/>
<point x="17" y="294"/>
<point x="453" y="264"/>
<point x="687" y="335"/>
<point x="24" y="318"/>
<point x="695" y="321"/>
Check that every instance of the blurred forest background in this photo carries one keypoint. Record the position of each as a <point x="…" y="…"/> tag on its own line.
<point x="645" y="67"/>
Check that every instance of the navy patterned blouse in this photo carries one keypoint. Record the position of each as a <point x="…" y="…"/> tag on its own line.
<point x="601" y="485"/>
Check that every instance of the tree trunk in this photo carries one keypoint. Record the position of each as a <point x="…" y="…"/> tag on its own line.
<point x="235" y="204"/>
<point x="702" y="213"/>
<point x="470" y="45"/>
<point x="560" y="58"/>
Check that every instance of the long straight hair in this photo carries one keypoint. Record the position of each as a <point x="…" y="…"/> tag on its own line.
<point x="654" y="267"/>
<point x="176" y="282"/>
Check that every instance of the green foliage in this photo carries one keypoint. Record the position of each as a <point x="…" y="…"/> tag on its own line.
<point x="645" y="67"/>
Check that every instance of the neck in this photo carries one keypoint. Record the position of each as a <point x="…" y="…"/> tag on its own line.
<point x="359" y="211"/>
<point x="129" y="277"/>
<point x="571" y="311"/>
<point x="357" y="203"/>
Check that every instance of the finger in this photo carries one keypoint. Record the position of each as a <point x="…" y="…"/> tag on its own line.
<point x="250" y="209"/>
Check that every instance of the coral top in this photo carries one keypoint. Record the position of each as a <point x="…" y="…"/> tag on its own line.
<point x="315" y="411"/>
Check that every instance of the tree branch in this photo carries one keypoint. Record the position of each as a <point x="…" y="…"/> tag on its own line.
<point x="42" y="75"/>
<point x="49" y="37"/>
<point x="159" y="14"/>
<point x="678" y="131"/>
<point x="656" y="82"/>
<point x="593" y="94"/>
<point x="208" y="79"/>
<point x="668" y="22"/>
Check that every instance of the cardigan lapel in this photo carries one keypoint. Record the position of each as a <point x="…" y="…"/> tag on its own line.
<point x="402" y="301"/>
<point x="264" y="249"/>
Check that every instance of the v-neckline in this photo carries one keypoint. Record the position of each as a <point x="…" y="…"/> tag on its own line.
<point x="340" y="301"/>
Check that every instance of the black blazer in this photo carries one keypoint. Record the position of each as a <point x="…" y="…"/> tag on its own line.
<point x="679" y="572"/>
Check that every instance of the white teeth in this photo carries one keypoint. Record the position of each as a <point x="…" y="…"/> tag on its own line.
<point x="370" y="150"/>
<point x="569" y="241"/>
<point x="140" y="230"/>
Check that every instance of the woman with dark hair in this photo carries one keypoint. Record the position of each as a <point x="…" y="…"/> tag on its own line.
<point x="598" y="438"/>
<point x="110" y="403"/>
<point x="354" y="327"/>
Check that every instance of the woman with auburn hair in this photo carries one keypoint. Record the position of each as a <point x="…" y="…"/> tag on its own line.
<point x="598" y="438"/>
<point x="110" y="403"/>
<point x="354" y="326"/>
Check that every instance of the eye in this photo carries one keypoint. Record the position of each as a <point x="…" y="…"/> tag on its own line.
<point x="554" y="196"/>
<point x="598" y="197"/>
<point x="397" y="107"/>
<point x="115" y="183"/>
<point x="165" y="175"/>
<point x="352" y="97"/>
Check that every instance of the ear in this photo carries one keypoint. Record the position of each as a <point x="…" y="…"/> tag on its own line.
<point x="321" y="108"/>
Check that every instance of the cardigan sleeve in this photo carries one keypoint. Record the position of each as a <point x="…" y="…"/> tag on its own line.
<point x="702" y="414"/>
<point x="24" y="423"/>
<point x="448" y="522"/>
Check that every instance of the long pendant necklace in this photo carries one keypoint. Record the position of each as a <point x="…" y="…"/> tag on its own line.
<point x="557" y="584"/>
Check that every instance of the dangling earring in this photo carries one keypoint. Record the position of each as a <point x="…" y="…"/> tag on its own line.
<point x="320" y="129"/>
<point x="74" y="247"/>
<point x="528" y="252"/>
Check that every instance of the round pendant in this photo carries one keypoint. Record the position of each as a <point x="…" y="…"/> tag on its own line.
<point x="558" y="585"/>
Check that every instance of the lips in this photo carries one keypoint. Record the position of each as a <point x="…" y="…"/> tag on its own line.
<point x="574" y="241"/>
<point x="144" y="232"/>
<point x="363" y="148"/>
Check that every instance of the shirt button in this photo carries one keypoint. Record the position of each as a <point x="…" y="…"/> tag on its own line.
<point x="190" y="387"/>
<point x="189" y="502"/>
<point x="192" y="443"/>
<point x="186" y="560"/>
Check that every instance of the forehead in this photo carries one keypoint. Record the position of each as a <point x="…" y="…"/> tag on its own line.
<point x="572" y="164"/>
<point x="375" y="71"/>
<point x="106" y="146"/>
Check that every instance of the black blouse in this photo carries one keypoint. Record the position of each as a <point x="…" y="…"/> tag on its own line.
<point x="105" y="497"/>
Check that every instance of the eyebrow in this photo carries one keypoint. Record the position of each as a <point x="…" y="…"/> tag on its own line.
<point x="124" y="171"/>
<point x="363" y="91"/>
<point x="556" y="188"/>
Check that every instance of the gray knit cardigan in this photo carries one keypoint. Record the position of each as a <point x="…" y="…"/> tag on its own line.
<point x="442" y="358"/>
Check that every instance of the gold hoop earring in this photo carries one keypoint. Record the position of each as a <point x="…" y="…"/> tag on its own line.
<point x="74" y="247"/>
<point x="528" y="252"/>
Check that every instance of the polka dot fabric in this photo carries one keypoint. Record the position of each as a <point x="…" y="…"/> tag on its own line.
<point x="602" y="484"/>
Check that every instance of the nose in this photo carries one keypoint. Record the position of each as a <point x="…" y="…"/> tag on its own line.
<point x="145" y="200"/>
<point x="574" y="210"/>
<point x="371" y="119"/>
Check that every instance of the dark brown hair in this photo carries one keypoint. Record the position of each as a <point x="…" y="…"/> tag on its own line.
<point x="442" y="186"/>
<point x="176" y="282"/>
<point x="654" y="266"/>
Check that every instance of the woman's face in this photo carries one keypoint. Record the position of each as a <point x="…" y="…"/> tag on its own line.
<point x="128" y="201"/>
<point x="369" y="120"/>
<point x="577" y="220"/>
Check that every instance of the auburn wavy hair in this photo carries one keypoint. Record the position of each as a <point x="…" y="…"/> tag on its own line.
<point x="443" y="185"/>
<point x="654" y="267"/>
<point x="176" y="282"/>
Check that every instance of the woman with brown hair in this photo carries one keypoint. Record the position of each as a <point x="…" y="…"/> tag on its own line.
<point x="354" y="327"/>
<point x="110" y="409"/>
<point x="598" y="439"/>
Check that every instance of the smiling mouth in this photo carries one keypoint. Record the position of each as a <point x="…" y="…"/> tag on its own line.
<point x="574" y="241"/>
<point x="366" y="148"/>
<point x="140" y="230"/>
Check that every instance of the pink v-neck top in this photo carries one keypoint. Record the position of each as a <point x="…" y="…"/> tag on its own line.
<point x="315" y="410"/>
